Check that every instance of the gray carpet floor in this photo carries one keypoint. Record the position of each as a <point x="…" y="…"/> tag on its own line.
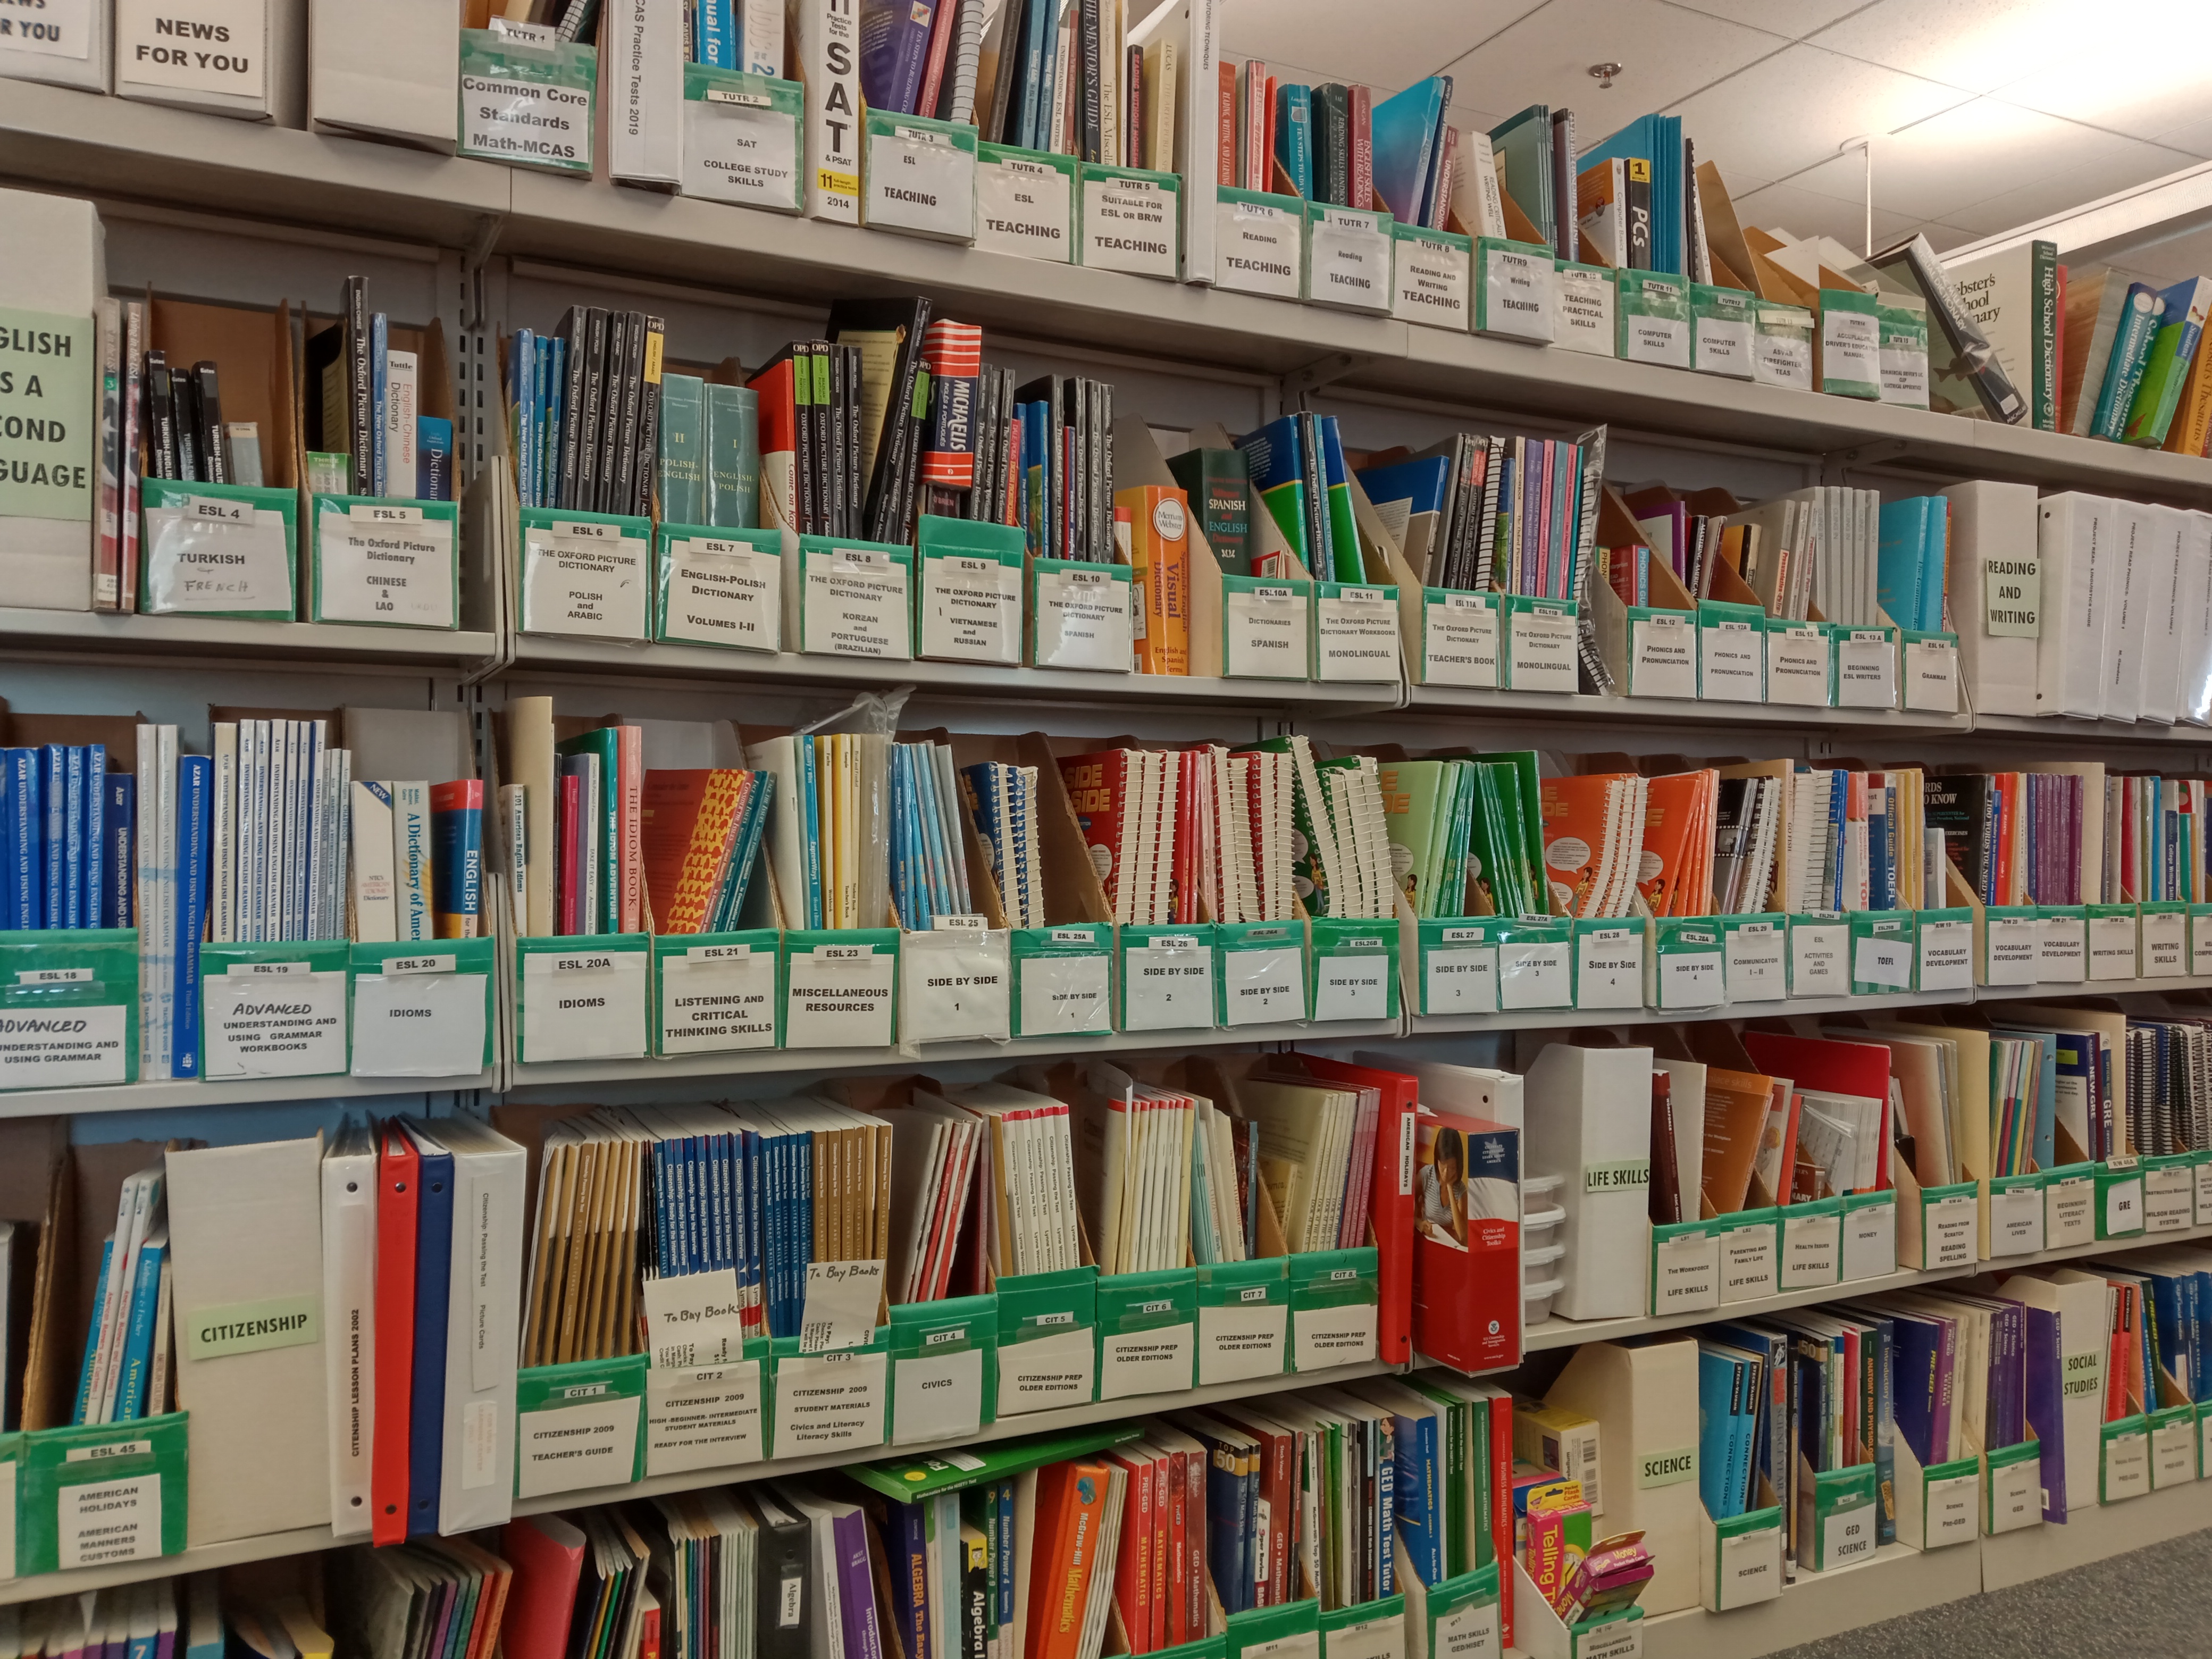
<point x="2153" y="1604"/>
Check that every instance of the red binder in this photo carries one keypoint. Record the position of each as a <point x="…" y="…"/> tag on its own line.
<point x="396" y="1205"/>
<point x="1393" y="1203"/>
<point x="1835" y="1067"/>
<point x="548" y="1554"/>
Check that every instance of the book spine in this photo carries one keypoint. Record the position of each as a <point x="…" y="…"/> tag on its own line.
<point x="2045" y="328"/>
<point x="191" y="898"/>
<point x="360" y="389"/>
<point x="829" y="65"/>
<point x="107" y="562"/>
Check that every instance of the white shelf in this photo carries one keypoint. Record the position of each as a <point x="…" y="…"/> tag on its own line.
<point x="1894" y="1581"/>
<point x="78" y="632"/>
<point x="1447" y="699"/>
<point x="2094" y="1534"/>
<point x="1548" y="1019"/>
<point x="2065" y="726"/>
<point x="265" y="1547"/>
<point x="233" y="1092"/>
<point x="2091" y="988"/>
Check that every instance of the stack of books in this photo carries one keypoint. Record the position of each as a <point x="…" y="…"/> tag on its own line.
<point x="366" y="432"/>
<point x="584" y="411"/>
<point x="68" y="831"/>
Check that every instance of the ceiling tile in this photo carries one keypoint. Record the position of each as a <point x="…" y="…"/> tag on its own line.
<point x="2125" y="80"/>
<point x="1666" y="54"/>
<point x="1420" y="37"/>
<point x="2090" y="180"/>
<point x="2195" y="139"/>
<point x="1808" y="213"/>
<point x="1794" y="18"/>
<point x="1938" y="166"/>
<point x="1790" y="111"/>
<point x="1974" y="45"/>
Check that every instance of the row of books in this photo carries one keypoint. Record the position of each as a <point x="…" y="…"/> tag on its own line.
<point x="1457" y="827"/>
<point x="584" y="411"/>
<point x="67" y="834"/>
<point x="126" y="1374"/>
<point x="2072" y="833"/>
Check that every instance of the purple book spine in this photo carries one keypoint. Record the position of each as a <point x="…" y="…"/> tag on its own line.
<point x="856" y="1587"/>
<point x="1946" y="1369"/>
<point x="2046" y="1403"/>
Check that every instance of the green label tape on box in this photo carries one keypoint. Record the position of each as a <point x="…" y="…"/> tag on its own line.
<point x="2016" y="1204"/>
<point x="100" y="1497"/>
<point x="2119" y="1198"/>
<point x="1847" y="361"/>
<point x="920" y="176"/>
<point x="741" y="137"/>
<point x="2012" y="1488"/>
<point x="1686" y="1268"/>
<point x="1168" y="977"/>
<point x="1882" y="952"/>
<point x="970" y="605"/>
<point x="1430" y="270"/>
<point x="1608" y="963"/>
<point x="1243" y="1319"/>
<point x="1333" y="1297"/>
<point x="1783" y="355"/>
<point x="386" y="563"/>
<point x="69" y="1007"/>
<point x="1048" y="1339"/>
<point x="1147" y="1333"/>
<point x="1063" y="979"/>
<point x="2123" y="1460"/>
<point x="273" y="1010"/>
<point x="1355" y="969"/>
<point x="526" y="97"/>
<point x="832" y="1402"/>
<point x="1266" y="629"/>
<point x="1845" y="1518"/>
<point x="1516" y="290"/>
<point x="1132" y="221"/>
<point x="212" y="549"/>
<point x="853" y="599"/>
<point x="1262" y="973"/>
<point x="715" y="993"/>
<point x="1025" y="203"/>
<point x="1459" y="640"/>
<point x="942" y="1372"/>
<point x="579" y="1426"/>
<point x="720" y="587"/>
<point x="582" y="1000"/>
<point x="423" y="1009"/>
<point x="585" y="575"/>
<point x="840" y="988"/>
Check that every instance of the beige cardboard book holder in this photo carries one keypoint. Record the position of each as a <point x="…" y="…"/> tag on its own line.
<point x="1645" y="1400"/>
<point x="1617" y="528"/>
<point x="1777" y="892"/>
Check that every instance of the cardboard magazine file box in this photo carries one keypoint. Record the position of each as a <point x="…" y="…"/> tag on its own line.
<point x="100" y="1497"/>
<point x="1685" y="964"/>
<point x="1244" y="1313"/>
<point x="2169" y="1193"/>
<point x="2011" y="942"/>
<point x="741" y="140"/>
<point x="2069" y="1205"/>
<point x="1539" y="1632"/>
<point x="1936" y="1225"/>
<point x="1355" y="635"/>
<point x="1644" y="1398"/>
<point x="968" y="595"/>
<point x="584" y="576"/>
<point x="709" y="1416"/>
<point x="1354" y="965"/>
<point x="943" y="1375"/>
<point x="1259" y="243"/>
<point x="247" y="61"/>
<point x="582" y="997"/>
<point x="2012" y="1487"/>
<point x="2123" y="1459"/>
<point x="69" y="1002"/>
<point x="1866" y="664"/>
<point x="719" y="587"/>
<point x="1335" y="1297"/>
<point x="1290" y="1629"/>
<point x="920" y="177"/>
<point x="1048" y="1347"/>
<point x="2173" y="1440"/>
<point x="1365" y="1630"/>
<point x="1430" y="270"/>
<point x="1609" y="962"/>
<point x="1884" y="953"/>
<point x="1731" y="652"/>
<point x="2016" y="1215"/>
<point x="2162" y="940"/>
<point x="1739" y="1559"/>
<point x="1755" y="956"/>
<point x="275" y="1010"/>
<point x="528" y="97"/>
<point x="837" y="1401"/>
<point x="1929" y="669"/>
<point x="1724" y="324"/>
<point x="579" y="1426"/>
<point x="1652" y="319"/>
<point x="1811" y="1238"/>
<point x="394" y="74"/>
<point x="717" y="992"/>
<point x="1649" y="650"/>
<point x="1457" y="645"/>
<point x="1081" y="615"/>
<point x="1462" y="1617"/>
<point x="2119" y="1187"/>
<point x="1064" y="970"/>
<point x="2063" y="955"/>
<point x="1838" y="1514"/>
<point x="1783" y="347"/>
<point x="1147" y="1333"/>
<point x="1169" y="977"/>
<point x="1348" y="258"/>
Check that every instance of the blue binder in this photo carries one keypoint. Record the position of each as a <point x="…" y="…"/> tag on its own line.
<point x="195" y="781"/>
<point x="433" y="1260"/>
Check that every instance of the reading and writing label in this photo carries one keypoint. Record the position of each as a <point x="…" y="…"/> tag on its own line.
<point x="1543" y="651"/>
<point x="1265" y="633"/>
<point x="62" y="1047"/>
<point x="1167" y="989"/>
<point x="1517" y="295"/>
<point x="573" y="1448"/>
<point x="1157" y="1361"/>
<point x="97" y="1523"/>
<point x="292" y="1027"/>
<point x="2014" y="944"/>
<point x="1356" y="635"/>
<point x="723" y="592"/>
<point x="1812" y="1251"/>
<point x="1931" y="676"/>
<point x="1747" y="1262"/>
<point x="937" y="1396"/>
<point x="1534" y="976"/>
<point x="1131" y="224"/>
<point x="1846" y="1535"/>
<point x="1798" y="667"/>
<point x="704" y="1417"/>
<point x="1948" y="1515"/>
<point x="2016" y="1221"/>
<point x="1262" y="987"/>
<point x="1459" y="641"/>
<point x="1947" y="955"/>
<point x="1817" y="955"/>
<point x="1866" y="670"/>
<point x="586" y="1004"/>
<point x="1047" y="1371"/>
<point x="921" y="181"/>
<point x="200" y="45"/>
<point x="2012" y="592"/>
<point x="710" y="1004"/>
<point x="1750" y="1567"/>
<point x="1236" y="1344"/>
<point x="1948" y="1236"/>
<point x="1348" y="259"/>
<point x="1691" y="979"/>
<point x="1871" y="1240"/>
<point x="971" y="610"/>
<point x="1022" y="208"/>
<point x="1351" y="986"/>
<point x="740" y="153"/>
<point x="839" y="1001"/>
<point x="1609" y="969"/>
<point x="1664" y="663"/>
<point x="2069" y="1212"/>
<point x="1885" y="960"/>
<point x="1082" y="621"/>
<point x="1324" y="1337"/>
<point x="1256" y="249"/>
<point x="585" y="579"/>
<point x="1686" y="1273"/>
<point x="855" y="604"/>
<point x="419" y="1024"/>
<point x="1755" y="970"/>
<point x="1459" y="979"/>
<point x="1065" y="996"/>
<point x="1432" y="284"/>
<point x="230" y="557"/>
<point x="829" y="1402"/>
<point x="382" y="563"/>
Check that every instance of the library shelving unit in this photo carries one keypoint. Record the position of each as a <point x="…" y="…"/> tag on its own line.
<point x="250" y="215"/>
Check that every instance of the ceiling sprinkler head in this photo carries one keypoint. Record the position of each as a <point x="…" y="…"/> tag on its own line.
<point x="1603" y="74"/>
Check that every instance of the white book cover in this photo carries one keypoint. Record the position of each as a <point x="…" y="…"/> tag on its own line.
<point x="482" y="1338"/>
<point x="411" y="860"/>
<point x="2165" y="628"/>
<point x="640" y="121"/>
<point x="514" y="837"/>
<point x="278" y="835"/>
<point x="348" y="1226"/>
<point x="402" y="408"/>
<point x="258" y="810"/>
<point x="131" y="1208"/>
<point x="2127" y="631"/>
<point x="827" y="34"/>
<point x="761" y="39"/>
<point x="165" y="906"/>
<point x="1194" y="27"/>
<point x="1992" y="550"/>
<point x="222" y="910"/>
<point x="375" y="886"/>
<point x="391" y="71"/>
<point x="2194" y="701"/>
<point x="1168" y="777"/>
<point x="1589" y="1110"/>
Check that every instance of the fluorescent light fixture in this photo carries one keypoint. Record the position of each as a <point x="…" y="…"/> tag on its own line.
<point x="2140" y="217"/>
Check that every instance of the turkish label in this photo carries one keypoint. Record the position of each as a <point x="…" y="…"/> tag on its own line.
<point x="1542" y="657"/>
<point x="98" y="1524"/>
<point x="585" y="579"/>
<point x="287" y="1321"/>
<point x="208" y="554"/>
<point x="1459" y="979"/>
<point x="1066" y="996"/>
<point x="1866" y="671"/>
<point x="64" y="1048"/>
<point x="1349" y="986"/>
<point x="1931" y="677"/>
<point x="1047" y="1371"/>
<point x="740" y="153"/>
<point x="1747" y="1262"/>
<point x="1348" y="259"/>
<point x="1817" y="955"/>
<point x="2011" y="593"/>
<point x="587" y="1005"/>
<point x="1756" y="971"/>
<point x="971" y="610"/>
<point x="1256" y="249"/>
<point x="1082" y="621"/>
<point x="855" y="604"/>
<point x="1459" y="641"/>
<point x="1167" y="988"/>
<point x="1023" y="207"/>
<point x="1812" y="1251"/>
<point x="1236" y="1344"/>
<point x="921" y="181"/>
<point x="1322" y="1338"/>
<point x="837" y="1000"/>
<point x="1432" y="284"/>
<point x="1686" y="1273"/>
<point x="1264" y="633"/>
<point x="1797" y="666"/>
<point x="296" y="1028"/>
<point x="536" y="122"/>
<point x="1130" y="224"/>
<point x="1356" y="635"/>
<point x="710" y="1003"/>
<point x="1263" y="986"/>
<point x="419" y="1024"/>
<point x="575" y="1447"/>
<point x="723" y="592"/>
<point x="199" y="45"/>
<point x="937" y="1396"/>
<point x="377" y="563"/>
<point x="1156" y="1361"/>
<point x="1664" y="660"/>
<point x="1533" y="976"/>
<point x="706" y="1418"/>
<point x="49" y="28"/>
<point x="1609" y="969"/>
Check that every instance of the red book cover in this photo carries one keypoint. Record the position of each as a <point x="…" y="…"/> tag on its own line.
<point x="1132" y="1563"/>
<point x="1501" y="1504"/>
<point x="571" y="866"/>
<point x="1467" y="1247"/>
<point x="1224" y="163"/>
<point x="396" y="1206"/>
<point x="932" y="74"/>
<point x="690" y="823"/>
<point x="779" y="445"/>
<point x="1258" y="153"/>
<point x="1070" y="1507"/>
<point x="1362" y="122"/>
<point x="1186" y="842"/>
<point x="548" y="1556"/>
<point x="629" y="768"/>
<point x="1176" y="1624"/>
<point x="1098" y="788"/>
<point x="1392" y="1196"/>
<point x="1014" y="494"/>
<point x="1161" y="1543"/>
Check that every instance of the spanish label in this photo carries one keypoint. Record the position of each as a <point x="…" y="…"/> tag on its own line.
<point x="855" y="604"/>
<point x="1257" y="249"/>
<point x="295" y="1028"/>
<point x="1348" y="259"/>
<point x="214" y="556"/>
<point x="377" y="562"/>
<point x="937" y="1396"/>
<point x="971" y="610"/>
<point x="1459" y="979"/>
<point x="1047" y="1371"/>
<point x="1754" y="967"/>
<point x="419" y="1024"/>
<point x="1663" y="661"/>
<point x="1459" y="641"/>
<point x="1686" y="1273"/>
<point x="1132" y="225"/>
<point x="740" y="153"/>
<point x="577" y="1447"/>
<point x="921" y="181"/>
<point x="63" y="1048"/>
<point x="1022" y="208"/>
<point x="829" y="1402"/>
<point x="589" y="580"/>
<point x="1356" y="635"/>
<point x="1264" y="633"/>
<point x="1082" y="621"/>
<point x="1237" y="1343"/>
<point x="839" y="1000"/>
<point x="703" y="1419"/>
<point x="1156" y="1361"/>
<point x="1322" y="1338"/>
<point x="200" y="45"/>
<point x="714" y="1002"/>
<point x="102" y="1522"/>
<point x="723" y="592"/>
<point x="1797" y="666"/>
<point x="1167" y="988"/>
<point x="1609" y="967"/>
<point x="585" y="1004"/>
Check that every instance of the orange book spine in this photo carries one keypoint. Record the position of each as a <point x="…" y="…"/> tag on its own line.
<point x="1068" y="1584"/>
